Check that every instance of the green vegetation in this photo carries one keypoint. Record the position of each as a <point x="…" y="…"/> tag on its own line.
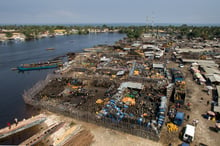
<point x="133" y="32"/>
<point x="72" y="124"/>
<point x="191" y="32"/>
<point x="9" y="34"/>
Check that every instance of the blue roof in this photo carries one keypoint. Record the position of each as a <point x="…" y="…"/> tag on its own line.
<point x="184" y="144"/>
<point x="179" y="115"/>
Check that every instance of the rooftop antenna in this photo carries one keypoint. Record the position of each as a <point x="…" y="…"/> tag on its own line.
<point x="152" y="23"/>
<point x="147" y="19"/>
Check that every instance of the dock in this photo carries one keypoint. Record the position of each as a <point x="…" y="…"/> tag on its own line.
<point x="43" y="134"/>
<point x="68" y="135"/>
<point x="22" y="125"/>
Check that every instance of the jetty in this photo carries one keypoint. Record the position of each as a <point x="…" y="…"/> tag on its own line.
<point x="22" y="125"/>
<point x="43" y="134"/>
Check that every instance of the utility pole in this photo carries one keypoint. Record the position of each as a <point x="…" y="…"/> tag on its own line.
<point x="147" y="19"/>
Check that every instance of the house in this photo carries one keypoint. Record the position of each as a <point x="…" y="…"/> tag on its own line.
<point x="59" y="31"/>
<point x="3" y="36"/>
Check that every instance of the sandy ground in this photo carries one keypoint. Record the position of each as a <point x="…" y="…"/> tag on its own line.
<point x="94" y="135"/>
<point x="203" y="133"/>
<point x="108" y="137"/>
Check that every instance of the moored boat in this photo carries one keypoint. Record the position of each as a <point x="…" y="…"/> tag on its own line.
<point x="39" y="66"/>
<point x="98" y="49"/>
<point x="50" y="48"/>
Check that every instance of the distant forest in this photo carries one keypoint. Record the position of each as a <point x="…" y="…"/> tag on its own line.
<point x="183" y="31"/>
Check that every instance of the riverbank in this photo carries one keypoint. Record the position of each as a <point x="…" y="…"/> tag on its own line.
<point x="12" y="55"/>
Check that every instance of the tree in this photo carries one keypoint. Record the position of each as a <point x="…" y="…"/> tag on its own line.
<point x="8" y="34"/>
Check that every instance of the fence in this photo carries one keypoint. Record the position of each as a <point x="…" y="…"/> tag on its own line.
<point x="127" y="127"/>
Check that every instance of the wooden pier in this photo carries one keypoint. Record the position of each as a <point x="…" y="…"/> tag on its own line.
<point x="43" y="134"/>
<point x="22" y="125"/>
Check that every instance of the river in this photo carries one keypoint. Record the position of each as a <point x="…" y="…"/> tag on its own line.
<point x="13" y="83"/>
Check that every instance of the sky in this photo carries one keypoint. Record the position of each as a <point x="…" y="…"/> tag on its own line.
<point x="109" y="11"/>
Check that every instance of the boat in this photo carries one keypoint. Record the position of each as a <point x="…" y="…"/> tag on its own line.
<point x="22" y="125"/>
<point x="42" y="135"/>
<point x="50" y="48"/>
<point x="39" y="66"/>
<point x="98" y="49"/>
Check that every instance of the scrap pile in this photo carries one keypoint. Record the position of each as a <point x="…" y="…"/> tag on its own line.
<point x="180" y="86"/>
<point x="137" y="105"/>
<point x="147" y="70"/>
<point x="180" y="92"/>
<point x="112" y="67"/>
<point x="172" y="127"/>
<point x="68" y="90"/>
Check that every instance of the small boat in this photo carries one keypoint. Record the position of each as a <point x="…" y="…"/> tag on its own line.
<point x="22" y="125"/>
<point x="98" y="49"/>
<point x="50" y="48"/>
<point x="14" y="68"/>
<point x="39" y="66"/>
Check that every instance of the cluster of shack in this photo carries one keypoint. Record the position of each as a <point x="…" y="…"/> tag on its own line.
<point x="124" y="84"/>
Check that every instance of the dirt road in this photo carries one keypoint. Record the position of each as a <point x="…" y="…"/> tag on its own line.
<point x="203" y="133"/>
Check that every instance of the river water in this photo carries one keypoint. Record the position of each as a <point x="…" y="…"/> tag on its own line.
<point x="13" y="83"/>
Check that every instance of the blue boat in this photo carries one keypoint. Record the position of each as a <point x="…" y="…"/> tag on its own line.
<point x="39" y="66"/>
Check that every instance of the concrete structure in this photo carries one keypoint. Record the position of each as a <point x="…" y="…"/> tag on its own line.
<point x="198" y="61"/>
<point x="132" y="85"/>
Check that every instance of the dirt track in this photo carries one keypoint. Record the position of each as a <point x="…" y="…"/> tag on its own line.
<point x="83" y="138"/>
<point x="203" y="133"/>
<point x="99" y="136"/>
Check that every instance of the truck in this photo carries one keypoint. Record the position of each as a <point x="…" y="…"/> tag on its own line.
<point x="188" y="135"/>
<point x="179" y="118"/>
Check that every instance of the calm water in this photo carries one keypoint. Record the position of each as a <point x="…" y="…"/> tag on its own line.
<point x="13" y="84"/>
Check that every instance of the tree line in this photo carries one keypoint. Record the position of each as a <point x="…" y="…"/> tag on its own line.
<point x="183" y="31"/>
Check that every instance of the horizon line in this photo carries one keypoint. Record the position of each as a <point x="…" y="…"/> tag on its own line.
<point x="117" y="23"/>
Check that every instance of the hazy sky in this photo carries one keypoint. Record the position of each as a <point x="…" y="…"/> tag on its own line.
<point x="109" y="11"/>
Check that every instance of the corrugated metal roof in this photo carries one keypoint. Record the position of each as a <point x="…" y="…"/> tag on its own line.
<point x="211" y="78"/>
<point x="198" y="61"/>
<point x="158" y="66"/>
<point x="216" y="108"/>
<point x="216" y="77"/>
<point x="211" y="70"/>
<point x="218" y="90"/>
<point x="208" y="64"/>
<point x="133" y="85"/>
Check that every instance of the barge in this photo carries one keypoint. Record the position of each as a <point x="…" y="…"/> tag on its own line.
<point x="39" y="66"/>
